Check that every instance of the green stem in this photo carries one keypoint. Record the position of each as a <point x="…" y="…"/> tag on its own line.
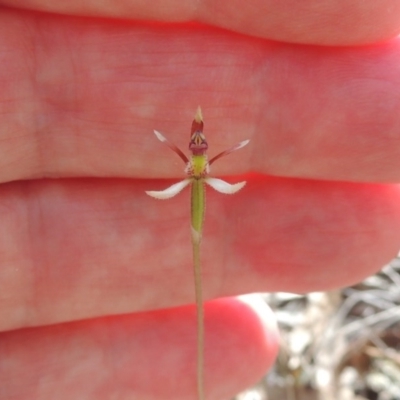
<point x="197" y="218"/>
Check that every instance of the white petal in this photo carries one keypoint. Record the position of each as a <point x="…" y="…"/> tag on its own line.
<point x="170" y="191"/>
<point x="224" y="187"/>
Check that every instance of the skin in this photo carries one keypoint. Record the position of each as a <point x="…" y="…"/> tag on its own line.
<point x="90" y="268"/>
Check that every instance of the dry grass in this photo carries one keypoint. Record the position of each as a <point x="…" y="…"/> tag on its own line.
<point x="341" y="345"/>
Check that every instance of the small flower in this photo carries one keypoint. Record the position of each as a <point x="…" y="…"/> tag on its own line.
<point x="198" y="166"/>
<point x="197" y="170"/>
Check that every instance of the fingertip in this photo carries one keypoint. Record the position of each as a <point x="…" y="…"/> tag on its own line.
<point x="267" y="317"/>
<point x="242" y="332"/>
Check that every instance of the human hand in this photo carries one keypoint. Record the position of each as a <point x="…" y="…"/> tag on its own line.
<point x="90" y="266"/>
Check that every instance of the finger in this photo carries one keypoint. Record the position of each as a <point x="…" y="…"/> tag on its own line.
<point x="75" y="249"/>
<point x="317" y="22"/>
<point x="141" y="356"/>
<point x="90" y="110"/>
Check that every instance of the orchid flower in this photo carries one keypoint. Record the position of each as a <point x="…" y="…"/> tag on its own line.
<point x="197" y="170"/>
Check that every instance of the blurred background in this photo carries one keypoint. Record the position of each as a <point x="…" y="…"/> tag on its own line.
<point x="338" y="345"/>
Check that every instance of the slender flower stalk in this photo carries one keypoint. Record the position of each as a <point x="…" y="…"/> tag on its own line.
<point x="197" y="170"/>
